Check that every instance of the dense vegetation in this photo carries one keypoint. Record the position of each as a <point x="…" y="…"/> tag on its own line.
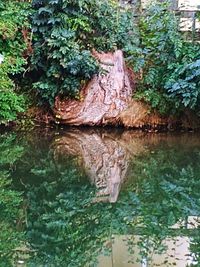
<point x="13" y="23"/>
<point x="64" y="36"/>
<point x="47" y="210"/>
<point x="65" y="33"/>
<point x="170" y="65"/>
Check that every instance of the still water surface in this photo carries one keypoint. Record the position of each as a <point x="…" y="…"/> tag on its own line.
<point x="85" y="197"/>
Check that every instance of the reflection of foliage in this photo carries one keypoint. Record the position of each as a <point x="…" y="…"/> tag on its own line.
<point x="64" y="218"/>
<point x="195" y="246"/>
<point x="165" y="191"/>
<point x="9" y="151"/>
<point x="67" y="228"/>
<point x="10" y="201"/>
<point x="10" y="214"/>
<point x="63" y="223"/>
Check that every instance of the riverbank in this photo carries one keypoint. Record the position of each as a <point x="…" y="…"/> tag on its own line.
<point x="138" y="117"/>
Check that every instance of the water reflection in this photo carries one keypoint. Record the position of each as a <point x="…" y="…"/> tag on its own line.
<point x="100" y="198"/>
<point x="105" y="157"/>
<point x="177" y="253"/>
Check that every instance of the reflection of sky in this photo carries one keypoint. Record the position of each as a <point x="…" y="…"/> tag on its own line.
<point x="1" y="58"/>
<point x="177" y="253"/>
<point x="177" y="250"/>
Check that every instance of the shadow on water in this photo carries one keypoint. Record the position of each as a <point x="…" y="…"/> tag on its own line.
<point x="85" y="197"/>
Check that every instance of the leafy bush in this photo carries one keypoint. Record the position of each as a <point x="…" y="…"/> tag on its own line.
<point x="169" y="78"/>
<point x="184" y="84"/>
<point x="12" y="47"/>
<point x="65" y="34"/>
<point x="10" y="104"/>
<point x="158" y="99"/>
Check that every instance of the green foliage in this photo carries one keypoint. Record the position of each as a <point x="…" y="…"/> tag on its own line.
<point x="12" y="46"/>
<point x="65" y="34"/>
<point x="184" y="84"/>
<point x="170" y="76"/>
<point x="160" y="42"/>
<point x="158" y="99"/>
<point x="10" y="104"/>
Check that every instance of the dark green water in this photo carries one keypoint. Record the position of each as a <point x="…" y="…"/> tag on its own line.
<point x="99" y="198"/>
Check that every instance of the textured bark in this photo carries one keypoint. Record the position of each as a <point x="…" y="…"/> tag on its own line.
<point x="104" y="97"/>
<point x="107" y="100"/>
<point x="105" y="157"/>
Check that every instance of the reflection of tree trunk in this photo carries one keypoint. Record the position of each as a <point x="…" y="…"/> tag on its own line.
<point x="105" y="158"/>
<point x="105" y="155"/>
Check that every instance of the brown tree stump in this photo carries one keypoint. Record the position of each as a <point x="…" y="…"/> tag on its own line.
<point x="104" y="97"/>
<point x="107" y="99"/>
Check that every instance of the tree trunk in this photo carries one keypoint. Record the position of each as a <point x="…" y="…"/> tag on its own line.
<point x="107" y="100"/>
<point x="104" y="97"/>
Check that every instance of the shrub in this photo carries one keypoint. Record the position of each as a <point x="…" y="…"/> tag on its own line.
<point x="65" y="34"/>
<point x="184" y="84"/>
<point x="169" y="78"/>
<point x="12" y="46"/>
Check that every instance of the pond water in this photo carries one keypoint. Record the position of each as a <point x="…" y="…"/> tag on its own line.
<point x="97" y="197"/>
